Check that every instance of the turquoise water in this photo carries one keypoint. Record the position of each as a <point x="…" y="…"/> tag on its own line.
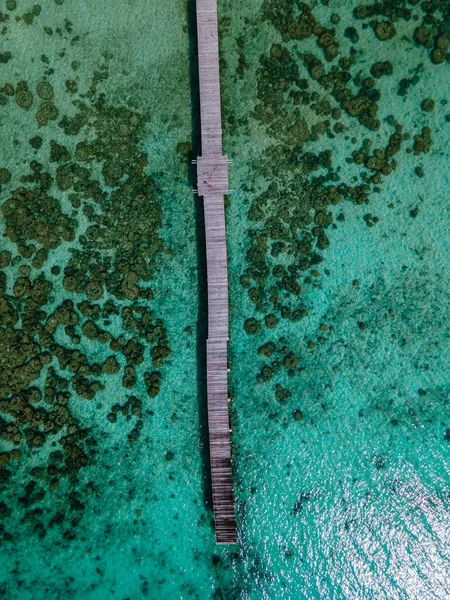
<point x="337" y="121"/>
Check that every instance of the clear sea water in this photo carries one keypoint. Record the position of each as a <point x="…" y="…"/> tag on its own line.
<point x="341" y="425"/>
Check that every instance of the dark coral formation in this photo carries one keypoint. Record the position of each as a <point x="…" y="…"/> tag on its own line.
<point x="82" y="224"/>
<point x="310" y="90"/>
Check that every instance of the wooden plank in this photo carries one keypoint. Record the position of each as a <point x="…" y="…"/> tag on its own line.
<point x="212" y="184"/>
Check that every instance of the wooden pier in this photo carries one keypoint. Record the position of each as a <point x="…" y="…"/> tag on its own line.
<point x="212" y="184"/>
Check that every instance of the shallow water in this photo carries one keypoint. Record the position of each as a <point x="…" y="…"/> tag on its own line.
<point x="338" y="246"/>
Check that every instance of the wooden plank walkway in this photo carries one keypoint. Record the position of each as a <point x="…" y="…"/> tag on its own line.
<point x="212" y="184"/>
